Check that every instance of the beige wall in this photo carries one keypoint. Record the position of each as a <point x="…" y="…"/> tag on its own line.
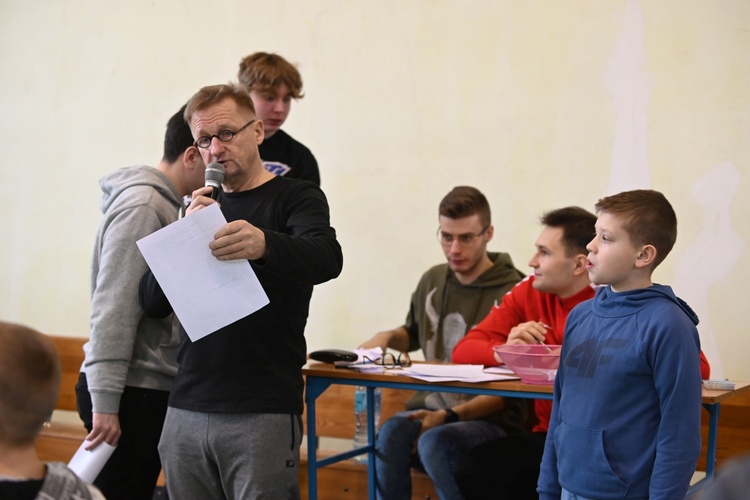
<point x="539" y="103"/>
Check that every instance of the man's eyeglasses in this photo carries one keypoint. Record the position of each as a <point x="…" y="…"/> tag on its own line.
<point x="225" y="135"/>
<point x="464" y="240"/>
<point x="390" y="361"/>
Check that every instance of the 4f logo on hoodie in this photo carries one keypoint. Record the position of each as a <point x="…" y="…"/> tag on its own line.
<point x="586" y="357"/>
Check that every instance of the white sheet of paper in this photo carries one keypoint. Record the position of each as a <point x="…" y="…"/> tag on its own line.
<point x="444" y="370"/>
<point x="502" y="376"/>
<point x="205" y="293"/>
<point x="88" y="464"/>
<point x="502" y="370"/>
<point x="447" y="373"/>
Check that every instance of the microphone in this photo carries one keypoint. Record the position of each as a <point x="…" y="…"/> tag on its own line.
<point x="214" y="176"/>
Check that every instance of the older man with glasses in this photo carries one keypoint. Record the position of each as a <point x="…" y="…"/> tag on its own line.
<point x="449" y="300"/>
<point x="234" y="423"/>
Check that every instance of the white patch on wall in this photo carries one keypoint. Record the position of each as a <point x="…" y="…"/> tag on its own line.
<point x="711" y="256"/>
<point x="630" y="87"/>
<point x="715" y="251"/>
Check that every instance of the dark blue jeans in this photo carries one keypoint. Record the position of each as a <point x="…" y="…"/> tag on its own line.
<point x="438" y="453"/>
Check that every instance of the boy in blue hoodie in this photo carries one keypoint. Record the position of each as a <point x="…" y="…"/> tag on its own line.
<point x="626" y="413"/>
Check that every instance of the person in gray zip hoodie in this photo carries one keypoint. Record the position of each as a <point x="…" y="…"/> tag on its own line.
<point x="130" y="360"/>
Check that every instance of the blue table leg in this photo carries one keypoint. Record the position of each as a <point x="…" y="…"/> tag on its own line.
<point x="371" y="478"/>
<point x="713" y="426"/>
<point x="314" y="388"/>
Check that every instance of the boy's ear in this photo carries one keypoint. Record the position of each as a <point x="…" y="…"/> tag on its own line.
<point x="580" y="264"/>
<point x="646" y="256"/>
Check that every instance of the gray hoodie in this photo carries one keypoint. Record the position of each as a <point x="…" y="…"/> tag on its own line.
<point x="126" y="348"/>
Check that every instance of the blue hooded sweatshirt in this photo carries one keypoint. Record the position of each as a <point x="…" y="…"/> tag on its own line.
<point x="626" y="414"/>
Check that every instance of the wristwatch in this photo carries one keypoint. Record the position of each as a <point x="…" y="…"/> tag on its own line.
<point x="451" y="416"/>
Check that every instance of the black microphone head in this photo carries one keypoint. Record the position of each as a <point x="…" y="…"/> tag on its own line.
<point x="214" y="175"/>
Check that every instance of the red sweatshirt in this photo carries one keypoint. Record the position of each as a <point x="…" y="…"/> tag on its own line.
<point x="524" y="303"/>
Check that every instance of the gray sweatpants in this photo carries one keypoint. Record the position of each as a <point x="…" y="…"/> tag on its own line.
<point x="231" y="455"/>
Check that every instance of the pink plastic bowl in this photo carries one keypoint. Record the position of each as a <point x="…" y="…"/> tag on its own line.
<point x="534" y="363"/>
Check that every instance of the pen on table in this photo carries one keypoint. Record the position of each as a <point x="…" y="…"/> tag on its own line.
<point x="545" y="325"/>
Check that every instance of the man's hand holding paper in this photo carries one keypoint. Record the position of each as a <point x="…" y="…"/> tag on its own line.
<point x="239" y="240"/>
<point x="180" y="256"/>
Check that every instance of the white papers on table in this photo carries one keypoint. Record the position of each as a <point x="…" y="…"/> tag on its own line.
<point x="502" y="370"/>
<point x="453" y="373"/>
<point x="437" y="372"/>
<point x="368" y="361"/>
<point x="88" y="464"/>
<point x="205" y="293"/>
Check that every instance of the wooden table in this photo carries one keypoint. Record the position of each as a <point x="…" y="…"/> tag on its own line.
<point x="320" y="376"/>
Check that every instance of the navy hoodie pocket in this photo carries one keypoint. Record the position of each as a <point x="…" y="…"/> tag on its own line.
<point x="583" y="465"/>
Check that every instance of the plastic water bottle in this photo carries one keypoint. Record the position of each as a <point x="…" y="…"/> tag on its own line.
<point x="360" y="418"/>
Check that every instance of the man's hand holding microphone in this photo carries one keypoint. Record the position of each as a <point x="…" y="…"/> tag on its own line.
<point x="238" y="239"/>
